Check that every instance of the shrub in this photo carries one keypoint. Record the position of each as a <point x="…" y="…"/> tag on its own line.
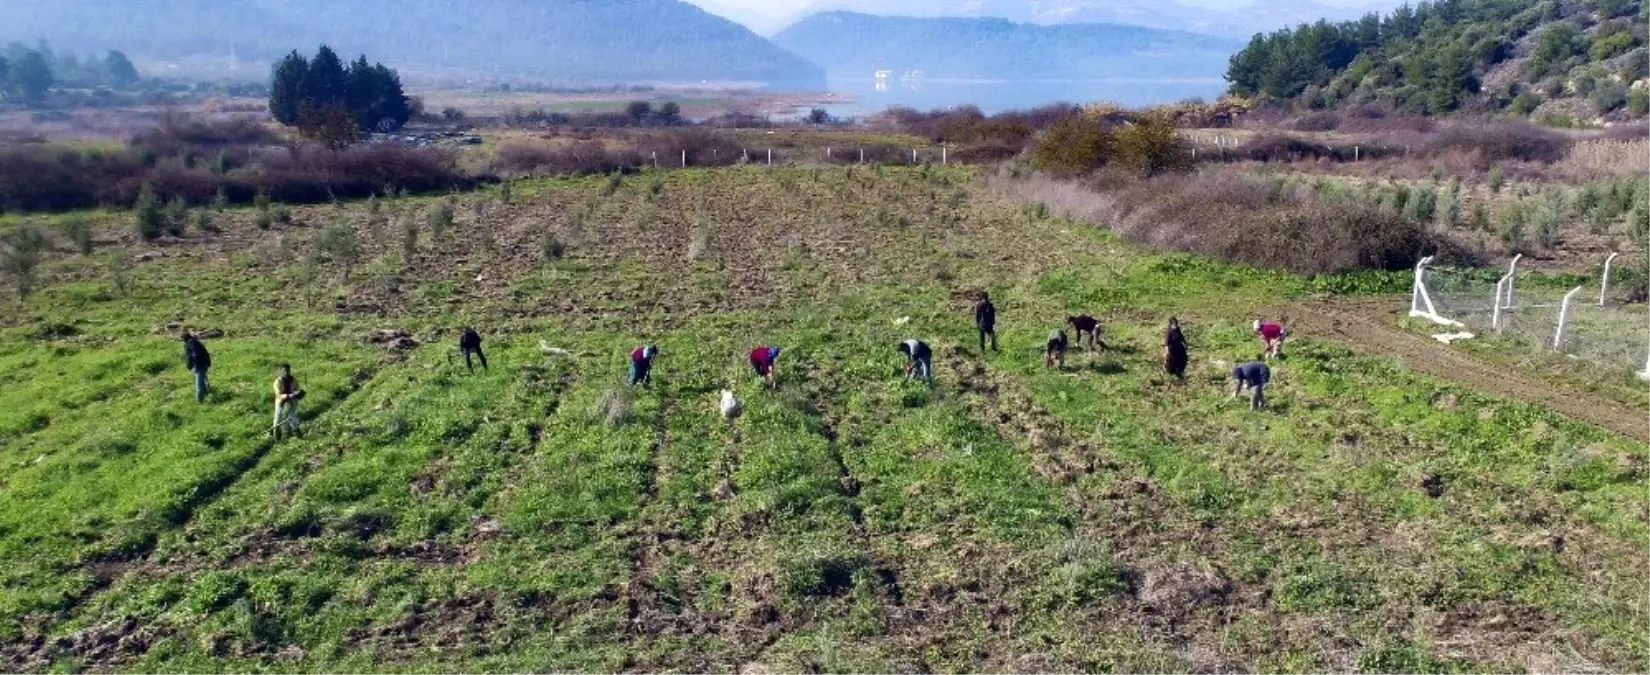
<point x="205" y="223"/>
<point x="261" y="200"/>
<point x="148" y="215"/>
<point x="1074" y="145"/>
<point x="1422" y="204"/>
<point x="1510" y="226"/>
<point x="1496" y="179"/>
<point x="1151" y="146"/>
<point x="79" y="232"/>
<point x="1638" y="101"/>
<point x="441" y="217"/>
<point x="409" y="237"/>
<point x="1608" y="97"/>
<point x="337" y="243"/>
<point x="552" y="248"/>
<point x="281" y="213"/>
<point x="20" y="253"/>
<point x="265" y="219"/>
<point x="177" y="217"/>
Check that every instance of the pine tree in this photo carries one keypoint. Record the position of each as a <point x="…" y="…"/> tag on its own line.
<point x="31" y="77"/>
<point x="118" y="70"/>
<point x="286" y="93"/>
<point x="325" y="84"/>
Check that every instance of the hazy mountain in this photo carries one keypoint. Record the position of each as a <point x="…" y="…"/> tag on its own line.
<point x="760" y="22"/>
<point x="1257" y="16"/>
<point x="574" y="41"/>
<point x="853" y="44"/>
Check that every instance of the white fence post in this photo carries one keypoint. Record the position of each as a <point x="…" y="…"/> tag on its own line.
<point x="913" y="155"/>
<point x="655" y="159"/>
<point x="1646" y="373"/>
<point x="1563" y="317"/>
<point x="827" y="152"/>
<point x="684" y="159"/>
<point x="1512" y="275"/>
<point x="1420" y="301"/>
<point x="862" y="155"/>
<point x="1495" y="314"/>
<point x="770" y="156"/>
<point x="1604" y="285"/>
<point x="943" y="156"/>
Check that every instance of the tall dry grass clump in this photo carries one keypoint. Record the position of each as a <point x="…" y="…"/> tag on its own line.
<point x="1261" y="221"/>
<point x="1605" y="158"/>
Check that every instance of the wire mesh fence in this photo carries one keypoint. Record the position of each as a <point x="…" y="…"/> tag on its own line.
<point x="1596" y="321"/>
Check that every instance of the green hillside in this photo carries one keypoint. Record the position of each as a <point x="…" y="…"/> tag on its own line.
<point x="538" y="517"/>
<point x="1561" y="59"/>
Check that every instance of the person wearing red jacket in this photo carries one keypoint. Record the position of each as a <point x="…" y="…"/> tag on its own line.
<point x="764" y="359"/>
<point x="641" y="365"/>
<point x="1271" y="334"/>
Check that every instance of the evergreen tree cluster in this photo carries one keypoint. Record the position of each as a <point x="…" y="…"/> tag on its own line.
<point x="1432" y="57"/>
<point x="321" y="94"/>
<point x="27" y="74"/>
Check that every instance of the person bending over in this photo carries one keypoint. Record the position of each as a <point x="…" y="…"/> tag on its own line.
<point x="1254" y="375"/>
<point x="919" y="360"/>
<point x="764" y="360"/>
<point x="1054" y="354"/>
<point x="641" y="365"/>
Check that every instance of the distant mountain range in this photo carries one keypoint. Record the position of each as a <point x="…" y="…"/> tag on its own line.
<point x="572" y="41"/>
<point x="855" y="45"/>
<point x="1195" y="15"/>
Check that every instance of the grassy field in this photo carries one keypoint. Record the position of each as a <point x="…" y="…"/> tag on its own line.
<point x="536" y="516"/>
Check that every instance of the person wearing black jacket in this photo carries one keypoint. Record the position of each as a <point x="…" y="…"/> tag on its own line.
<point x="985" y="319"/>
<point x="1175" y="353"/>
<point x="469" y="342"/>
<point x="196" y="358"/>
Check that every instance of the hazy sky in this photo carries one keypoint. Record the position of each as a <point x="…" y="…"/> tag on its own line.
<point x="786" y="7"/>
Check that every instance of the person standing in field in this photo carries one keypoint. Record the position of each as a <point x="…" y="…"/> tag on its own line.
<point x="765" y="359"/>
<point x="287" y="396"/>
<point x="641" y="365"/>
<point x="985" y="319"/>
<point x="1054" y="353"/>
<point x="469" y="342"/>
<point x="1271" y="334"/>
<point x="196" y="358"/>
<point x="1175" y="353"/>
<point x="1255" y="375"/>
<point x="919" y="360"/>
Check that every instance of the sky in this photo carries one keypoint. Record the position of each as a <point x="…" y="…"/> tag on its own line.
<point x="788" y="7"/>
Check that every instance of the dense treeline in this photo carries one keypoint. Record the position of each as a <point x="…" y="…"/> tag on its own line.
<point x="1434" y="57"/>
<point x="27" y="74"/>
<point x="324" y="98"/>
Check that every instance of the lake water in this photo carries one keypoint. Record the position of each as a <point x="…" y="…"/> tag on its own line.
<point x="870" y="96"/>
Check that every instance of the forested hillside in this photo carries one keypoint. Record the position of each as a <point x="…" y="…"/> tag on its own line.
<point x="574" y="42"/>
<point x="1558" y="59"/>
<point x="994" y="48"/>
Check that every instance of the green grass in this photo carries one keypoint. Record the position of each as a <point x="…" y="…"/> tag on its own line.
<point x="1014" y="518"/>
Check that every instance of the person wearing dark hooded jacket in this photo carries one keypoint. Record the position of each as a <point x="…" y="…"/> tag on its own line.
<point x="196" y="358"/>
<point x="985" y="320"/>
<point x="469" y="342"/>
<point x="1175" y="353"/>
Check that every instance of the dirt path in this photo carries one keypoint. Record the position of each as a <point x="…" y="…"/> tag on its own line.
<point x="1363" y="330"/>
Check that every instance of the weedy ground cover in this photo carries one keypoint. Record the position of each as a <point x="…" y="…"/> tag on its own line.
<point x="1103" y="517"/>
